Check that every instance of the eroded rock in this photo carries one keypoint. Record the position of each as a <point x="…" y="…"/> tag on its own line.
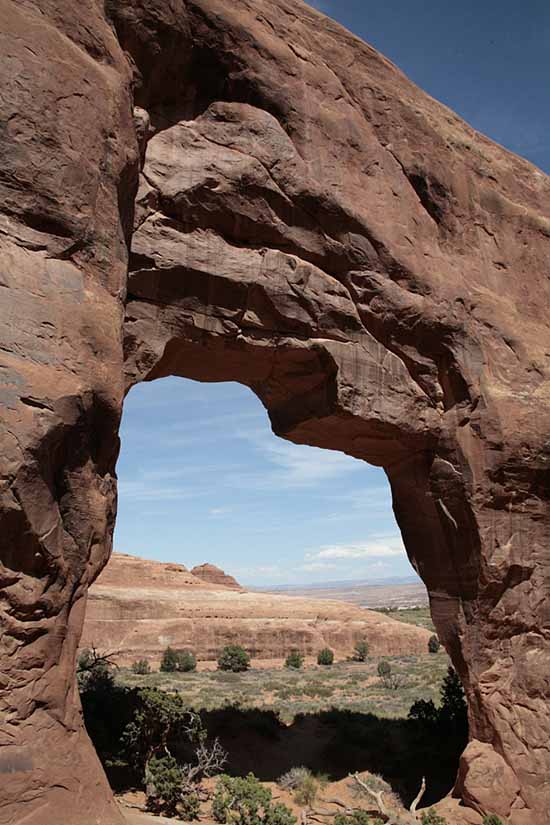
<point x="214" y="575"/>
<point x="311" y="224"/>
<point x="136" y="608"/>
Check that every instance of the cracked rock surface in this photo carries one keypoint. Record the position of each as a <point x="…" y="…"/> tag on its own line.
<point x="285" y="209"/>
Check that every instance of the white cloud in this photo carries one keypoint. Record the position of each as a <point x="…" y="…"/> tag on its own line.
<point x="145" y="490"/>
<point x="289" y="466"/>
<point x="377" y="547"/>
<point x="219" y="511"/>
<point x="316" y="566"/>
<point x="261" y="571"/>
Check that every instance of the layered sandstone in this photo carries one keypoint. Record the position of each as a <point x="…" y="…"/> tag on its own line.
<point x="132" y="572"/>
<point x="137" y="608"/>
<point x="211" y="574"/>
<point x="311" y="224"/>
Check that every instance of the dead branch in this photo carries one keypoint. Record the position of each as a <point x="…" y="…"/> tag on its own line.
<point x="378" y="797"/>
<point x="419" y="796"/>
<point x="90" y="662"/>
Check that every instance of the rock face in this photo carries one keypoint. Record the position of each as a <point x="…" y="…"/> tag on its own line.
<point x="309" y="223"/>
<point x="136" y="608"/>
<point x="212" y="574"/>
<point x="131" y="572"/>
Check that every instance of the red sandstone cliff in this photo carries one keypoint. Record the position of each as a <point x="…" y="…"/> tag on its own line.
<point x="212" y="574"/>
<point x="138" y="607"/>
<point x="311" y="224"/>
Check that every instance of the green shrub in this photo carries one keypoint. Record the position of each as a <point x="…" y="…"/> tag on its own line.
<point x="454" y="710"/>
<point x="234" y="658"/>
<point x="94" y="671"/>
<point x="189" y="807"/>
<point x="245" y="801"/>
<point x="158" y="718"/>
<point x="186" y="661"/>
<point x="361" y="651"/>
<point x="384" y="668"/>
<point x="325" y="657"/>
<point x="141" y="667"/>
<point x="307" y="790"/>
<point x="169" y="661"/>
<point x="163" y="780"/>
<point x="302" y="783"/>
<point x="294" y="659"/>
<point x="164" y="787"/>
<point x="356" y="818"/>
<point x="390" y="680"/>
<point x="492" y="819"/>
<point x="279" y="814"/>
<point x="433" y="644"/>
<point x="425" y="711"/>
<point x="293" y="778"/>
<point x="431" y="817"/>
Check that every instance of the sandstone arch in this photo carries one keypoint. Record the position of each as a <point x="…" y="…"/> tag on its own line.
<point x="308" y="223"/>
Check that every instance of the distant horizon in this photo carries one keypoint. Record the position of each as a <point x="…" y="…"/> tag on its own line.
<point x="411" y="578"/>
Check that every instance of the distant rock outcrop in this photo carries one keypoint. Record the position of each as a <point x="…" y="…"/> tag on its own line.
<point x="137" y="607"/>
<point x="214" y="575"/>
<point x="126" y="571"/>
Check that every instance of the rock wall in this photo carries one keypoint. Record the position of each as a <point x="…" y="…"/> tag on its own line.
<point x="136" y="608"/>
<point x="213" y="575"/>
<point x="309" y="223"/>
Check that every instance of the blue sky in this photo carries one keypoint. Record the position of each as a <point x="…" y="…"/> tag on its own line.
<point x="201" y="476"/>
<point x="489" y="60"/>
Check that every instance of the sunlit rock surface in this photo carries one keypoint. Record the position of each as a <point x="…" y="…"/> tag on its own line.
<point x="137" y="608"/>
<point x="307" y="222"/>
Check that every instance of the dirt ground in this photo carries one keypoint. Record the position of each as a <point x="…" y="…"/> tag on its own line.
<point x="451" y="809"/>
<point x="132" y="801"/>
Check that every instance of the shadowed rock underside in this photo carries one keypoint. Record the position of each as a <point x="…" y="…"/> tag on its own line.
<point x="306" y="221"/>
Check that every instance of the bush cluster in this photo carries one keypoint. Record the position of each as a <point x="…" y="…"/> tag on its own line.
<point x="431" y="817"/>
<point x="141" y="667"/>
<point x="294" y="659"/>
<point x="165" y="789"/>
<point x="361" y="651"/>
<point x="183" y="661"/>
<point x="325" y="657"/>
<point x="356" y="818"/>
<point x="234" y="658"/>
<point x="245" y="801"/>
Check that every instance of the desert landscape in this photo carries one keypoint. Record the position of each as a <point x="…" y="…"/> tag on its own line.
<point x="375" y="596"/>
<point x="245" y="191"/>
<point x="286" y="711"/>
<point x="138" y="607"/>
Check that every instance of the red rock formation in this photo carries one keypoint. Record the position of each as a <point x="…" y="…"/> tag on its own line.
<point x="308" y="223"/>
<point x="137" y="607"/>
<point x="211" y="573"/>
<point x="131" y="572"/>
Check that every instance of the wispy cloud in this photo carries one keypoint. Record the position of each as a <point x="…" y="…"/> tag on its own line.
<point x="285" y="465"/>
<point x="216" y="512"/>
<point x="261" y="571"/>
<point x="316" y="567"/>
<point x="370" y="549"/>
<point x="144" y="490"/>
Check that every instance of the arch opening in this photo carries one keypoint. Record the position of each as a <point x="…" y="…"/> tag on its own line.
<point x="339" y="510"/>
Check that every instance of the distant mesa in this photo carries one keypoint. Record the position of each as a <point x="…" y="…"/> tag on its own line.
<point x="126" y="571"/>
<point x="214" y="575"/>
<point x="137" y="607"/>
